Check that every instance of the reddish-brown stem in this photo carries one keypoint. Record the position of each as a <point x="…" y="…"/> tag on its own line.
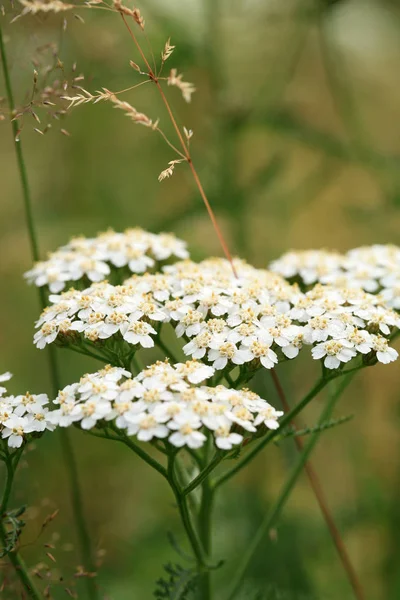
<point x="319" y="494"/>
<point x="312" y="476"/>
<point x="185" y="148"/>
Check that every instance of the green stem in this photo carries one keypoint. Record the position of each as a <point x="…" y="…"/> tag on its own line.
<point x="146" y="457"/>
<point x="85" y="352"/>
<point x="204" y="473"/>
<point x="78" y="512"/>
<point x="271" y="434"/>
<point x="185" y="516"/>
<point x="137" y="364"/>
<point x="14" y="556"/>
<point x="205" y="515"/>
<point x="272" y="516"/>
<point x="68" y="453"/>
<point x="20" y="158"/>
<point x="166" y="350"/>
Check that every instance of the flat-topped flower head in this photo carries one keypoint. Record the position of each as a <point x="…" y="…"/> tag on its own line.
<point x="95" y="259"/>
<point x="309" y="266"/>
<point x="99" y="312"/>
<point x="220" y="315"/>
<point x="375" y="269"/>
<point x="254" y="320"/>
<point x="22" y="415"/>
<point x="165" y="402"/>
<point x="348" y="323"/>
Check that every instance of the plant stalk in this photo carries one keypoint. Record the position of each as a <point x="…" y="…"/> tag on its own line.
<point x="320" y="497"/>
<point x="67" y="450"/>
<point x="15" y="558"/>
<point x="205" y="515"/>
<point x="274" y="513"/>
<point x="191" y="532"/>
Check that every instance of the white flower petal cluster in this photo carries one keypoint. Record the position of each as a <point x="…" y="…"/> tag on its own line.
<point x="230" y="320"/>
<point x="94" y="258"/>
<point x="307" y="265"/>
<point x="21" y="415"/>
<point x="100" y="312"/>
<point x="341" y="323"/>
<point x="375" y="269"/>
<point x="165" y="402"/>
<point x="224" y="320"/>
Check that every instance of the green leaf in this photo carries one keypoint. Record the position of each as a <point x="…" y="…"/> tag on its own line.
<point x="292" y="432"/>
<point x="180" y="584"/>
<point x="13" y="526"/>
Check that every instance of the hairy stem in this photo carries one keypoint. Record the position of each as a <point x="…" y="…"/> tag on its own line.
<point x="68" y="453"/>
<point x="274" y="513"/>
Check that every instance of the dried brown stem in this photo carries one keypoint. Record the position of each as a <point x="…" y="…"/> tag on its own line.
<point x="185" y="148"/>
<point x="322" y="502"/>
<point x="312" y="476"/>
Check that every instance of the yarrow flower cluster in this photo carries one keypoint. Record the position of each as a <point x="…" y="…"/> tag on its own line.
<point x="375" y="269"/>
<point x="343" y="323"/>
<point x="165" y="402"/>
<point x="93" y="259"/>
<point x="98" y="313"/>
<point x="254" y="319"/>
<point x="22" y="415"/>
<point x="228" y="320"/>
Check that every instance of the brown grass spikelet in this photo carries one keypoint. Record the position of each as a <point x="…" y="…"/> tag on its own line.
<point x="132" y="113"/>
<point x="135" y="66"/>
<point x="185" y="87"/>
<point x="130" y="12"/>
<point x="168" y="50"/>
<point x="49" y="519"/>
<point x="84" y="97"/>
<point x="51" y="557"/>
<point x="33" y="7"/>
<point x="188" y="133"/>
<point x="169" y="171"/>
<point x="82" y="572"/>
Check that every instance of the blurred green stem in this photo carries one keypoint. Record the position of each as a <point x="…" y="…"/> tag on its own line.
<point x="185" y="515"/>
<point x="272" y="516"/>
<point x="205" y="515"/>
<point x="14" y="556"/>
<point x="68" y="453"/>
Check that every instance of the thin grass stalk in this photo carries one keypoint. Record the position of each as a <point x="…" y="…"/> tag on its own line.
<point x="317" y="488"/>
<point x="274" y="513"/>
<point x="67" y="450"/>
<point x="185" y="148"/>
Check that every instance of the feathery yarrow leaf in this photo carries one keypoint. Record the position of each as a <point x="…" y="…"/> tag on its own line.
<point x="293" y="432"/>
<point x="180" y="585"/>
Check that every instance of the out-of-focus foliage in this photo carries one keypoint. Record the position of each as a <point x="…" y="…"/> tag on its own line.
<point x="296" y="141"/>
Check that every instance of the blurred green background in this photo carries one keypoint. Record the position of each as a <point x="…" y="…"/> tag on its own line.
<point x="296" y="139"/>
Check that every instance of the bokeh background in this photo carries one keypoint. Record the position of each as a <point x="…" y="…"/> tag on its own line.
<point x="296" y="138"/>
